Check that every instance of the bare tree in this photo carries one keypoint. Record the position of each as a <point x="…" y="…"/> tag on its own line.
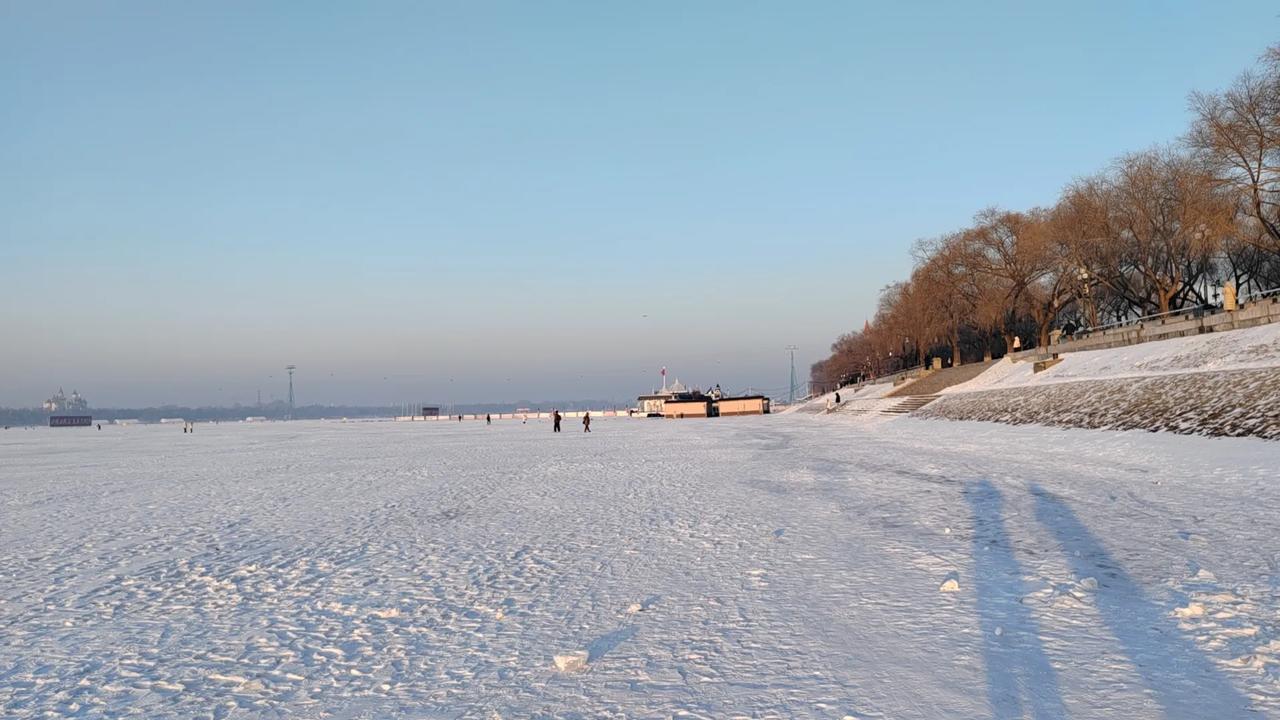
<point x="1237" y="134"/>
<point x="902" y="322"/>
<point x="943" y="279"/>
<point x="1157" y="230"/>
<point x="1008" y="249"/>
<point x="1168" y="220"/>
<point x="1054" y="249"/>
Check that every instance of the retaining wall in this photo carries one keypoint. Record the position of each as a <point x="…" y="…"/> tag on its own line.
<point x="1260" y="312"/>
<point x="1232" y="403"/>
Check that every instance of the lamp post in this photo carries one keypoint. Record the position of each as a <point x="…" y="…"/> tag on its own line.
<point x="791" y="391"/>
<point x="290" y="369"/>
<point x="1087" y="287"/>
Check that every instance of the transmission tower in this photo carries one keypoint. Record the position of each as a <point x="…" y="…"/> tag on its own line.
<point x="791" y="392"/>
<point x="291" y="368"/>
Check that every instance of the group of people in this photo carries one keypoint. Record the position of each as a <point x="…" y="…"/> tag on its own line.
<point x="556" y="417"/>
<point x="555" y="421"/>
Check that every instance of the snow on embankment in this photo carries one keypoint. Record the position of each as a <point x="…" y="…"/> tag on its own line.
<point x="869" y="399"/>
<point x="1252" y="348"/>
<point x="850" y="397"/>
<point x="1236" y="403"/>
<point x="1225" y="383"/>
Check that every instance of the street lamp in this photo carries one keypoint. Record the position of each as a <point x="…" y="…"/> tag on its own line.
<point x="791" y="393"/>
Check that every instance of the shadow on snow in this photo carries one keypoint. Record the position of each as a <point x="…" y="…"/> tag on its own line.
<point x="1183" y="682"/>
<point x="1020" y="680"/>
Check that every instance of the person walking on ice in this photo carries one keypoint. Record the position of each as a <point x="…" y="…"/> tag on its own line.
<point x="586" y="422"/>
<point x="555" y="421"/>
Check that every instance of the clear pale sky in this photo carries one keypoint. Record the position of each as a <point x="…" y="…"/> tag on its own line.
<point x="484" y="201"/>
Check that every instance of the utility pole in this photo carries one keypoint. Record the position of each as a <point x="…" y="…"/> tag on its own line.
<point x="791" y="391"/>
<point x="291" y="368"/>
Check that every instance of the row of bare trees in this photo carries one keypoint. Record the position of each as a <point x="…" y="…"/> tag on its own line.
<point x="1157" y="231"/>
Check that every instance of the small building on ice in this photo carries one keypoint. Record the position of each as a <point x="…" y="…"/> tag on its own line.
<point x="745" y="405"/>
<point x="701" y="406"/>
<point x="654" y="404"/>
<point x="681" y="402"/>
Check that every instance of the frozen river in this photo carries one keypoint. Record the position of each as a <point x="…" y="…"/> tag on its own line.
<point x="780" y="566"/>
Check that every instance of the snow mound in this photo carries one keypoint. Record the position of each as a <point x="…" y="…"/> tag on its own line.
<point x="574" y="661"/>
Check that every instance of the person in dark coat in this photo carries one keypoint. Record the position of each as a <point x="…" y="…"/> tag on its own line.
<point x="555" y="421"/>
<point x="837" y="398"/>
<point x="488" y="420"/>
<point x="586" y="422"/>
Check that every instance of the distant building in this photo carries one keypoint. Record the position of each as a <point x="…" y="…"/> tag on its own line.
<point x="701" y="406"/>
<point x="651" y="404"/>
<point x="745" y="405"/>
<point x="60" y="404"/>
<point x="678" y="401"/>
<point x="654" y="404"/>
<point x="68" y="411"/>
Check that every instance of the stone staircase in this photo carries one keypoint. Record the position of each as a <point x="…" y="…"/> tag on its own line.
<point x="909" y="404"/>
<point x="939" y="380"/>
<point x="860" y="407"/>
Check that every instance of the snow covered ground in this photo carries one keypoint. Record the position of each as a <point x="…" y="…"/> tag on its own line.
<point x="1251" y="348"/>
<point x="852" y="399"/>
<point x="785" y="566"/>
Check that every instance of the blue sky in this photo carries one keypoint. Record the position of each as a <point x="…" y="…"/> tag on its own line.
<point x="483" y="201"/>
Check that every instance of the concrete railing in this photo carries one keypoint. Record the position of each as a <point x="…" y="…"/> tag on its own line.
<point x="1250" y="314"/>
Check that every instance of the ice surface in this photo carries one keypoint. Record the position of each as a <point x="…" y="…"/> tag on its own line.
<point x="783" y="566"/>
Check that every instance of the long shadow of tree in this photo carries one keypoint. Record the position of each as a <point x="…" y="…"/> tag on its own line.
<point x="1020" y="680"/>
<point x="1181" y="679"/>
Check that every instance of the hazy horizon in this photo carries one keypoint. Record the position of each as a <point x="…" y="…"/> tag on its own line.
<point x="477" y="203"/>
